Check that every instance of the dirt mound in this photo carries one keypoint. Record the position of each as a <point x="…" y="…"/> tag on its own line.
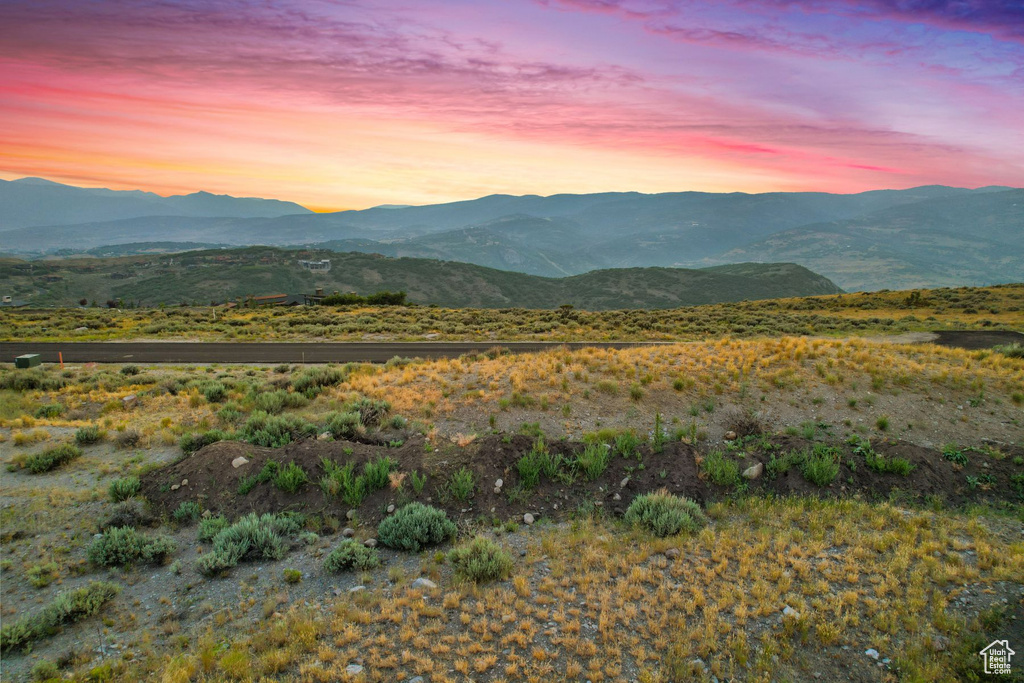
<point x="209" y="478"/>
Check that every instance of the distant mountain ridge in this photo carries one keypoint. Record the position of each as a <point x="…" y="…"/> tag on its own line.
<point x="32" y="202"/>
<point x="870" y="240"/>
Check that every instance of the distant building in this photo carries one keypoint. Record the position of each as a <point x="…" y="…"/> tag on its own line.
<point x="10" y="302"/>
<point x="321" y="266"/>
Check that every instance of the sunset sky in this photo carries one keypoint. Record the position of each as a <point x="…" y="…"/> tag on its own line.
<point x="338" y="104"/>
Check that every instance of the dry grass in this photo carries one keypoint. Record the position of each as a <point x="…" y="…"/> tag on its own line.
<point x="605" y="603"/>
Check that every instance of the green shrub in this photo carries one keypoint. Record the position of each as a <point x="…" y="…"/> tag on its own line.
<point x="215" y="392"/>
<point x="351" y="555"/>
<point x="664" y="514"/>
<point x="342" y="481"/>
<point x="42" y="575"/>
<point x="190" y="443"/>
<point x="187" y="513"/>
<point x="593" y="460"/>
<point x="30" y="380"/>
<point x="376" y="473"/>
<point x="371" y="412"/>
<point x="781" y="464"/>
<point x="481" y="560"/>
<point x="290" y="478"/>
<point x="253" y="537"/>
<point x="130" y="370"/>
<point x="129" y="438"/>
<point x="530" y="466"/>
<point x="124" y="547"/>
<point x="1014" y="350"/>
<point x="721" y="469"/>
<point x="66" y="608"/>
<point x="49" y="410"/>
<point x="123" y="489"/>
<point x="292" y="576"/>
<point x="461" y="485"/>
<point x="315" y="379"/>
<point x="210" y="527"/>
<point x="627" y="444"/>
<point x="275" y="431"/>
<point x="52" y="458"/>
<point x="85" y="436"/>
<point x="415" y="526"/>
<point x="821" y="465"/>
<point x="343" y="425"/>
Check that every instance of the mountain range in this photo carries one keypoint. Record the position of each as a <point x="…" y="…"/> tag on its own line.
<point x="921" y="237"/>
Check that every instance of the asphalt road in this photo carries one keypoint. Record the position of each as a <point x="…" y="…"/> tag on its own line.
<point x="284" y="352"/>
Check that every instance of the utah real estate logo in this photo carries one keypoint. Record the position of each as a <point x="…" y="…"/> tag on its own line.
<point x="997" y="657"/>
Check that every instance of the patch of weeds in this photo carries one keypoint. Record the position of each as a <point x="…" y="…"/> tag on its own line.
<point x="290" y="478"/>
<point x="49" y="410"/>
<point x="627" y="444"/>
<point x="343" y="425"/>
<point x="274" y="431"/>
<point x="351" y="555"/>
<point x="123" y="489"/>
<point x="418" y="481"/>
<point x="481" y="560"/>
<point x="820" y="465"/>
<point x="52" y="458"/>
<point x="42" y="575"/>
<point x="461" y="485"/>
<point x="190" y="443"/>
<point x="783" y="463"/>
<point x="593" y="460"/>
<point x="881" y="464"/>
<point x="88" y="435"/>
<point x="66" y="608"/>
<point x="269" y="471"/>
<point x="882" y="423"/>
<point x="187" y="513"/>
<point x="720" y="469"/>
<point x="955" y="454"/>
<point x="664" y="514"/>
<point x="292" y="576"/>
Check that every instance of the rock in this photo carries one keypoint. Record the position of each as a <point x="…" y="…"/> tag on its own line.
<point x="528" y="519"/>
<point x="417" y="679"/>
<point x="730" y="435"/>
<point x="175" y="487"/>
<point x="130" y="400"/>
<point x="940" y="643"/>
<point x="616" y="497"/>
<point x="351" y="514"/>
<point x="348" y="532"/>
<point x="356" y="589"/>
<point x="672" y="553"/>
<point x="353" y="669"/>
<point x="497" y="489"/>
<point x="370" y="543"/>
<point x="424" y="583"/>
<point x="238" y="462"/>
<point x="871" y="652"/>
<point x="754" y="471"/>
<point x="790" y="612"/>
<point x="498" y="484"/>
<point x="325" y="436"/>
<point x="184" y="482"/>
<point x="624" y="483"/>
<point x="391" y="508"/>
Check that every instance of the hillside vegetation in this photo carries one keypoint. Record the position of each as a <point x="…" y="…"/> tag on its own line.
<point x="222" y="275"/>
<point x="968" y="308"/>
